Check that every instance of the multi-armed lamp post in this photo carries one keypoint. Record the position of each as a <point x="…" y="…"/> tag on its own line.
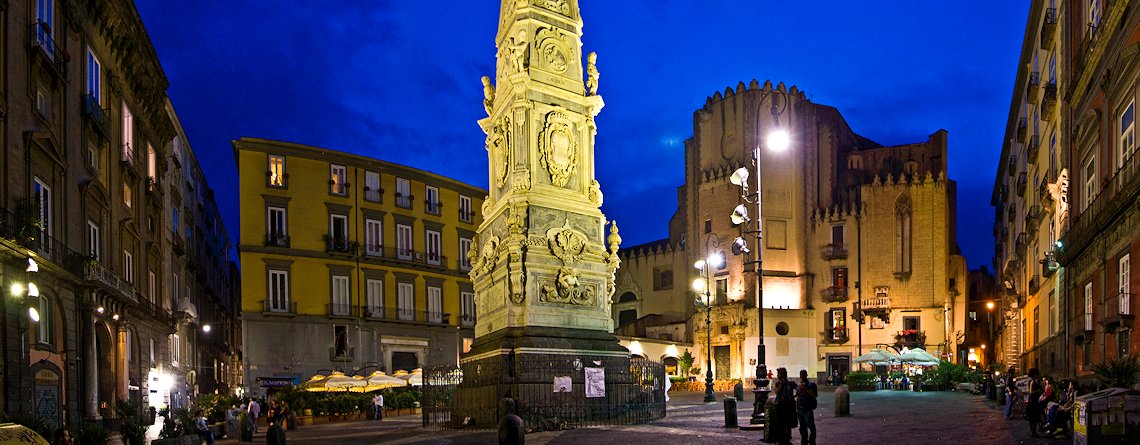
<point x="702" y="284"/>
<point x="778" y="140"/>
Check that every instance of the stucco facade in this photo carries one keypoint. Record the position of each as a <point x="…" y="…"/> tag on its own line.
<point x="362" y="262"/>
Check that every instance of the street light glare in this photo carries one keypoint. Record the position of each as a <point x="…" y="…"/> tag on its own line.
<point x="206" y="328"/>
<point x="17" y="289"/>
<point x="699" y="285"/>
<point x="700" y="264"/>
<point x="33" y="290"/>
<point x="716" y="260"/>
<point x="989" y="305"/>
<point x="779" y="140"/>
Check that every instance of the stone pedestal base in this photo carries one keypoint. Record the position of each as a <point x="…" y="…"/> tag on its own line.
<point x="527" y="365"/>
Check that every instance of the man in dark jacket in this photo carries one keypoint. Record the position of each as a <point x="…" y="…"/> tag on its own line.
<point x="805" y="408"/>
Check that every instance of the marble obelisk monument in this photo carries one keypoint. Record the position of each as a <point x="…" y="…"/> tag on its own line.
<point x="544" y="259"/>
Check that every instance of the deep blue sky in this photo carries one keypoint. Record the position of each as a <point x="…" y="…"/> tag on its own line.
<point x="399" y="80"/>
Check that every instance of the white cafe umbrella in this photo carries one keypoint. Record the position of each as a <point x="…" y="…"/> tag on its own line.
<point x="876" y="357"/>
<point x="917" y="356"/>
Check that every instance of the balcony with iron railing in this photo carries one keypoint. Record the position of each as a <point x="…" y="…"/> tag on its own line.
<point x="834" y="251"/>
<point x="1034" y="283"/>
<point x="1012" y="167"/>
<point x="403" y="201"/>
<point x="276" y="240"/>
<point x="1022" y="128"/>
<point x="340" y="245"/>
<point x="1117" y="192"/>
<point x="1033" y="214"/>
<point x="128" y="155"/>
<point x="1049" y="99"/>
<point x="1034" y="89"/>
<point x="467" y="320"/>
<point x="1022" y="182"/>
<point x="399" y="314"/>
<point x="97" y="275"/>
<point x="835" y="335"/>
<point x="405" y="256"/>
<point x="1049" y="29"/>
<point x="340" y="310"/>
<point x="96" y="114"/>
<point x="433" y="207"/>
<point x="833" y="294"/>
<point x="1003" y="193"/>
<point x="1117" y="310"/>
<point x="53" y="55"/>
<point x="1011" y="213"/>
<point x="1022" y="243"/>
<point x="466" y="216"/>
<point x="371" y="195"/>
<point x="1031" y="148"/>
<point x="177" y="245"/>
<point x="285" y="307"/>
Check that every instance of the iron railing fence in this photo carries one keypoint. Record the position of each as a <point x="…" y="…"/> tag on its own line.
<point x="468" y="396"/>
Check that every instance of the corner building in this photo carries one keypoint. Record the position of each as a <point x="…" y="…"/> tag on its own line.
<point x="350" y="262"/>
<point x="91" y="163"/>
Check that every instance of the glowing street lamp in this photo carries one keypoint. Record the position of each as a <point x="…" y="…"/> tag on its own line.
<point x="701" y="286"/>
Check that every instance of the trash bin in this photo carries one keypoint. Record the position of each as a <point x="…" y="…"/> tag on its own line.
<point x="730" y="412"/>
<point x="1100" y="417"/>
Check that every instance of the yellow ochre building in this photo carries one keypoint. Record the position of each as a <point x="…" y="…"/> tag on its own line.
<point x="350" y="262"/>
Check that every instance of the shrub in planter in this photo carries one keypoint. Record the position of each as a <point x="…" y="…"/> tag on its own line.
<point x="92" y="434"/>
<point x="861" y="381"/>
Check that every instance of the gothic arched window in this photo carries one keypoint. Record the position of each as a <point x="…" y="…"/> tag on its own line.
<point x="902" y="235"/>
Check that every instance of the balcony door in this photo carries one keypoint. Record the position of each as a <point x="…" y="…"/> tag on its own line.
<point x="435" y="304"/>
<point x="403" y="242"/>
<point x="405" y="301"/>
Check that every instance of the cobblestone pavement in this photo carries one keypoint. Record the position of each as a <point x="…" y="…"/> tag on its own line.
<point x="880" y="417"/>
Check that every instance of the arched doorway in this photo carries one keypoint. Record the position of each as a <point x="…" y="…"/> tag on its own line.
<point x="105" y="365"/>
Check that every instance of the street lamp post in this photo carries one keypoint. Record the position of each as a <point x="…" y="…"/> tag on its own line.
<point x="702" y="285"/>
<point x="778" y="140"/>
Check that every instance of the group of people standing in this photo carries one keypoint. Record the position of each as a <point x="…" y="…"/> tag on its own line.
<point x="794" y="405"/>
<point x="1048" y="407"/>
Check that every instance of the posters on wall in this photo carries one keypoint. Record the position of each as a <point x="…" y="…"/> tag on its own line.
<point x="562" y="384"/>
<point x="595" y="382"/>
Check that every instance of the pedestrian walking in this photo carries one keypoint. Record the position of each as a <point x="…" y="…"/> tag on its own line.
<point x="378" y="403"/>
<point x="274" y="433"/>
<point x="1033" y="411"/>
<point x="1010" y="391"/>
<point x="806" y="395"/>
<point x="785" y="409"/>
<point x="254" y="413"/>
<point x="62" y="437"/>
<point x="203" y="429"/>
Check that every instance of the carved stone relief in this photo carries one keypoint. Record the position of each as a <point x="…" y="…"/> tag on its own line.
<point x="567" y="245"/>
<point x="553" y="52"/>
<point x="595" y="193"/>
<point x="501" y="146"/>
<point x="558" y="148"/>
<point x="559" y="6"/>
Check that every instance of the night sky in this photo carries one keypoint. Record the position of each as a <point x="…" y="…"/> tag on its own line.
<point x="399" y="81"/>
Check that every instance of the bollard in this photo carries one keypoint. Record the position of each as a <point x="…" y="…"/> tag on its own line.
<point x="771" y="423"/>
<point x="511" y="430"/>
<point x="730" y="412"/>
<point x="738" y="391"/>
<point x="842" y="402"/>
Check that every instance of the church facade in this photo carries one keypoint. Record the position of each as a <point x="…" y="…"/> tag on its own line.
<point x="859" y="242"/>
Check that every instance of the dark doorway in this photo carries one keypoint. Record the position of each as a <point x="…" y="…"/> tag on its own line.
<point x="105" y="359"/>
<point x="838" y="366"/>
<point x="404" y="361"/>
<point x="626" y="317"/>
<point x="722" y="357"/>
